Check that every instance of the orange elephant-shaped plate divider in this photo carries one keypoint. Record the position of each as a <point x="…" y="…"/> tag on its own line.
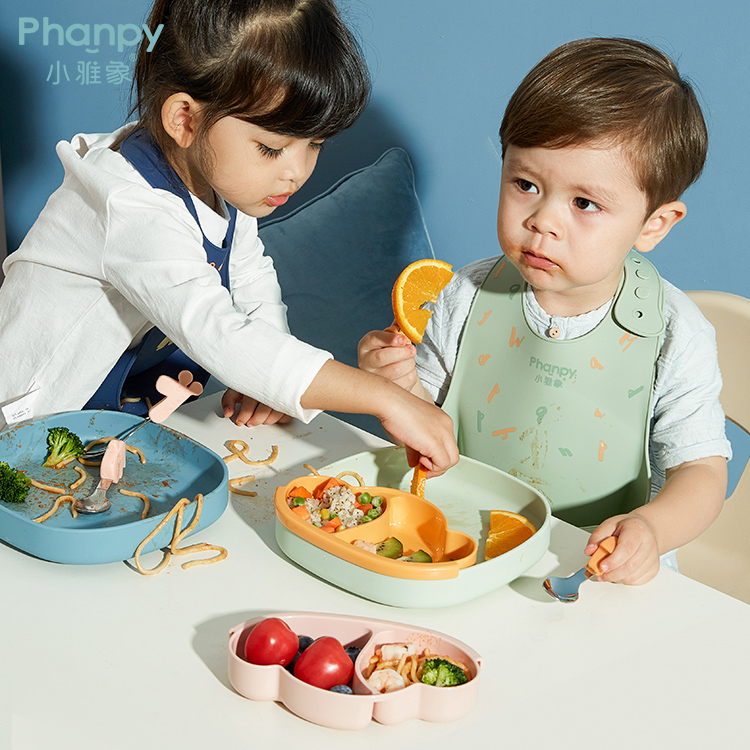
<point x="415" y="522"/>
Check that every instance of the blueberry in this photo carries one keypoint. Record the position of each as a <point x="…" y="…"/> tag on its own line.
<point x="342" y="689"/>
<point x="352" y="652"/>
<point x="304" y="642"/>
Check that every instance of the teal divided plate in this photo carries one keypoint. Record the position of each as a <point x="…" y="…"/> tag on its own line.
<point x="465" y="493"/>
<point x="175" y="467"/>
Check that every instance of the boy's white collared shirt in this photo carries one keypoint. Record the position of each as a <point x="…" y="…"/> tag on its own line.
<point x="687" y="418"/>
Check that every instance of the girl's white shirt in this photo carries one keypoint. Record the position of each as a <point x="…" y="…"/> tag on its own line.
<point x="110" y="256"/>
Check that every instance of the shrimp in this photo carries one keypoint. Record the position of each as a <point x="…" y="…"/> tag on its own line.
<point x="366" y="546"/>
<point x="386" y="680"/>
<point x="394" y="651"/>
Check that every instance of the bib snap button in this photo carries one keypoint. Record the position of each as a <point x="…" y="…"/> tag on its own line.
<point x="553" y="332"/>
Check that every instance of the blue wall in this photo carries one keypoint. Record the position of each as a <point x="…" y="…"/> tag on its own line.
<point x="442" y="76"/>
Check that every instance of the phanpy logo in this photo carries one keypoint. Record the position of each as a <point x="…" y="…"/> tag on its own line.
<point x="86" y="35"/>
<point x="564" y="373"/>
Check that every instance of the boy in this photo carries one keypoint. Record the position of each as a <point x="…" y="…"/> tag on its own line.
<point x="578" y="366"/>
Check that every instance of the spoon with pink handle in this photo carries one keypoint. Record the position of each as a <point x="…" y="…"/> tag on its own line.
<point x="110" y="470"/>
<point x="566" y="589"/>
<point x="113" y="456"/>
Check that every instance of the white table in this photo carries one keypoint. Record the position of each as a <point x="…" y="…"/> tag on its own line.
<point x="102" y="658"/>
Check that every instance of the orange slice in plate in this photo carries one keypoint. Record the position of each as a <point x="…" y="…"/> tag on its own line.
<point x="418" y="284"/>
<point x="507" y="530"/>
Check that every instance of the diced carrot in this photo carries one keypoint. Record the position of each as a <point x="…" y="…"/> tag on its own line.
<point x="329" y="529"/>
<point x="334" y="523"/>
<point x="299" y="492"/>
<point x="365" y="507"/>
<point x="302" y="512"/>
<point x="321" y="488"/>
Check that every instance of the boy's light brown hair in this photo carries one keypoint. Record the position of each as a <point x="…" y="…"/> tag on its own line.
<point x="620" y="90"/>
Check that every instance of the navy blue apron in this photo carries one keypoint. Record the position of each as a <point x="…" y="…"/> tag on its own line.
<point x="135" y="373"/>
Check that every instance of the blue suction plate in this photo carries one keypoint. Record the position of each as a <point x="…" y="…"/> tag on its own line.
<point x="175" y="467"/>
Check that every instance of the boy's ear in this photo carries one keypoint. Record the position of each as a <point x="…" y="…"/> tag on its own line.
<point x="657" y="226"/>
<point x="180" y="116"/>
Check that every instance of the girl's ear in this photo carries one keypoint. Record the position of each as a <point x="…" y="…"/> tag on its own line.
<point x="657" y="226"/>
<point x="180" y="117"/>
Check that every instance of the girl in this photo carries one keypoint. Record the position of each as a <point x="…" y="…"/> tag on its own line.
<point x="147" y="260"/>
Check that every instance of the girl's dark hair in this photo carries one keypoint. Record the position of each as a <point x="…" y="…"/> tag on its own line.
<point x="617" y="90"/>
<point x="289" y="66"/>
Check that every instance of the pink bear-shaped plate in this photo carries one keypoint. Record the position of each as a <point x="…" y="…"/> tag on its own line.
<point x="342" y="711"/>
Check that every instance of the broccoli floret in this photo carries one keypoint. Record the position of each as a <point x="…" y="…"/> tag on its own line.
<point x="442" y="673"/>
<point x="14" y="486"/>
<point x="62" y="445"/>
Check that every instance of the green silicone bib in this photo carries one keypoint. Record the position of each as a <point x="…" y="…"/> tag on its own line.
<point x="569" y="417"/>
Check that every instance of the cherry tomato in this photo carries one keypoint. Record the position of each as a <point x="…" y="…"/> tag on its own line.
<point x="324" y="663"/>
<point x="271" y="641"/>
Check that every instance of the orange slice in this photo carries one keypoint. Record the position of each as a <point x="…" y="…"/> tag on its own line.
<point x="418" y="284"/>
<point x="507" y="530"/>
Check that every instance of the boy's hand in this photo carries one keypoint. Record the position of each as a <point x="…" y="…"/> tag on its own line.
<point x="251" y="412"/>
<point x="390" y="354"/>
<point x="636" y="557"/>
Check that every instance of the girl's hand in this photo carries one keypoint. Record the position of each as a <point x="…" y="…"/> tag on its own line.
<point x="390" y="354"/>
<point x="251" y="412"/>
<point x="412" y="420"/>
<point x="636" y="557"/>
<point x="426" y="431"/>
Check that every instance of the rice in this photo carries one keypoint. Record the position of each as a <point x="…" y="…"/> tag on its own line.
<point x="339" y="500"/>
